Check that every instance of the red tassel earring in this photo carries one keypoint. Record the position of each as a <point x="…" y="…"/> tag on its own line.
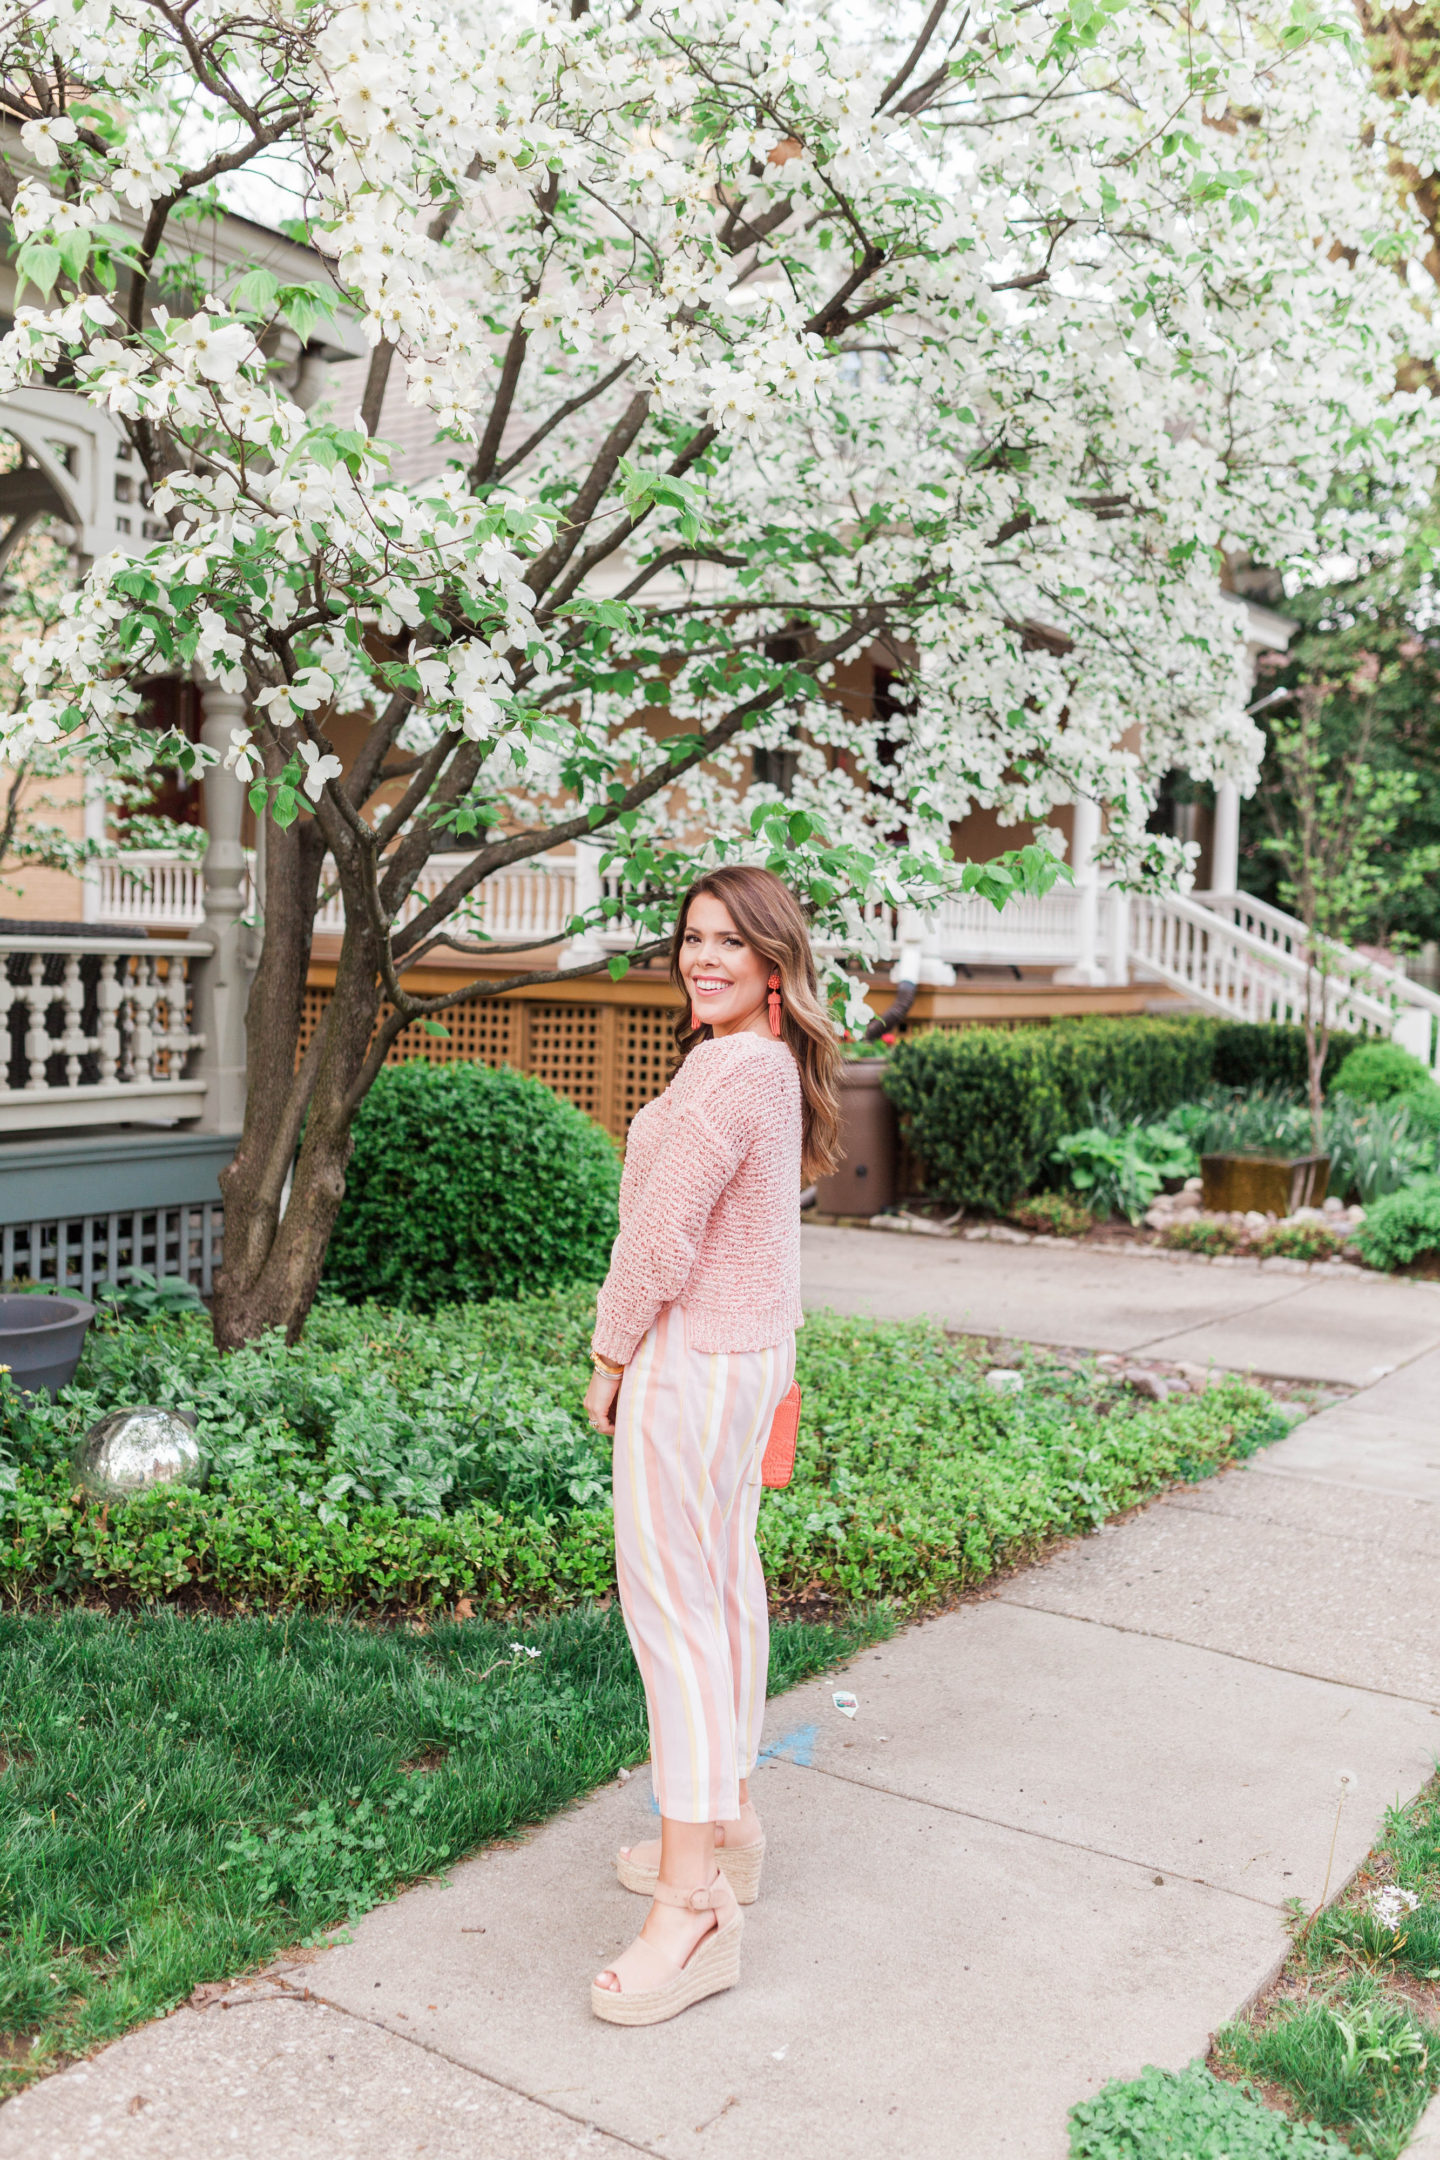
<point x="696" y="1023"/>
<point x="773" y="1001"/>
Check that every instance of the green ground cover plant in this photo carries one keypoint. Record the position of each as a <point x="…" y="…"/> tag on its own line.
<point x="400" y="1462"/>
<point x="1350" y="2036"/>
<point x="1053" y="1214"/>
<point x="1208" y="1238"/>
<point x="1189" y="2115"/>
<point x="1300" y="1241"/>
<point x="468" y="1183"/>
<point x="1120" y="1168"/>
<point x="183" y="1797"/>
<point x="1402" y="1228"/>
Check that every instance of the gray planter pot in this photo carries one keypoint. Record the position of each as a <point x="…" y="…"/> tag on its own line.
<point x="41" y="1338"/>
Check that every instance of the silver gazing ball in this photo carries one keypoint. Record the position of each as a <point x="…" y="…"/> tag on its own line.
<point x="129" y="1451"/>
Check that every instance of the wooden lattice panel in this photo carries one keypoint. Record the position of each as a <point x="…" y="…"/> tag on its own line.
<point x="317" y="997"/>
<point x="565" y="1050"/>
<point x="608" y="1059"/>
<point x="646" y="1055"/>
<point x="487" y="1033"/>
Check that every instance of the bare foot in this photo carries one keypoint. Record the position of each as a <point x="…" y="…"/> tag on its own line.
<point x="667" y="1941"/>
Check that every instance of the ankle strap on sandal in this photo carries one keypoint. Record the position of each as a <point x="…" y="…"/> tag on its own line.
<point x="706" y="1899"/>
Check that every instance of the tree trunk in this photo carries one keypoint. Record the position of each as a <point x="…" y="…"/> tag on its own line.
<point x="1317" y="1044"/>
<point x="273" y="1259"/>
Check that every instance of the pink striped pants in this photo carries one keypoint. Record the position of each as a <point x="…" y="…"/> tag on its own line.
<point x="690" y="1429"/>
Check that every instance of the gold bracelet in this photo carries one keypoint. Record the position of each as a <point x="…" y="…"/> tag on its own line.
<point x="603" y="1365"/>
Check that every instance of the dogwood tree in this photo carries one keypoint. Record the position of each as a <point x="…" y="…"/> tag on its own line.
<point x="765" y="336"/>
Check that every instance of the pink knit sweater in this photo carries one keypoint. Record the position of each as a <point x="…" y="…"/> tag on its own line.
<point x="710" y="1204"/>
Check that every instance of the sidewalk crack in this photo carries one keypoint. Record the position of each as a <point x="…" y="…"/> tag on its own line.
<point x="1238" y="1657"/>
<point x="584" y="2123"/>
<point x="1045" y="1837"/>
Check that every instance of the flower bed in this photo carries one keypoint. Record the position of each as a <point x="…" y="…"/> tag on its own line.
<point x="397" y="1463"/>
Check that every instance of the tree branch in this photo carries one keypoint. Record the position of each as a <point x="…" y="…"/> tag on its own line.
<point x="898" y="81"/>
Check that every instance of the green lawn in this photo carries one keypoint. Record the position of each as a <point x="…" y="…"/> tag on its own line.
<point x="254" y="1740"/>
<point x="182" y="1797"/>
<point x="1352" y="2035"/>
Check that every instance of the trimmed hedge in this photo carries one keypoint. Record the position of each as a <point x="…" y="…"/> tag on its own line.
<point x="985" y="1107"/>
<point x="1260" y="1056"/>
<point x="468" y="1183"/>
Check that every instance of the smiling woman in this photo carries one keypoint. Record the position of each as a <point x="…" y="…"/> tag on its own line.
<point x="694" y="1348"/>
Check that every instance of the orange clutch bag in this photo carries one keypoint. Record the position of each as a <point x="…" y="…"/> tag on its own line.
<point x="778" y="1464"/>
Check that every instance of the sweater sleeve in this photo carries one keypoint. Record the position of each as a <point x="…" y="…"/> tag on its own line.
<point x="704" y="1145"/>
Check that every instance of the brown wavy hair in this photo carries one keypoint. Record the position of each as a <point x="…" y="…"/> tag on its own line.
<point x="769" y="918"/>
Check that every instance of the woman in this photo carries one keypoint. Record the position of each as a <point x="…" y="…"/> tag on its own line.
<point x="694" y="1348"/>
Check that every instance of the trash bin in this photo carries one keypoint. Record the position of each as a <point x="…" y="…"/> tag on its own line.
<point x="864" y="1184"/>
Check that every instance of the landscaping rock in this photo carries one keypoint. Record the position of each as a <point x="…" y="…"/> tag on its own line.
<point x="1150" y="1384"/>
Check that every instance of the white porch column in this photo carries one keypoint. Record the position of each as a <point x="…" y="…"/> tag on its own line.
<point x="916" y="959"/>
<point x="223" y="982"/>
<point x="1084" y="841"/>
<point x="1225" y="839"/>
<point x="587" y="948"/>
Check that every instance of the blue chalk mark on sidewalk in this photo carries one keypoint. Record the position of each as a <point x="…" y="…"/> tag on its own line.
<point x="797" y="1747"/>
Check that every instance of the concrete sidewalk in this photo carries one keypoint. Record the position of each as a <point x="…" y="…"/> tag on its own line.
<point x="1325" y="1323"/>
<point x="1055" y="1843"/>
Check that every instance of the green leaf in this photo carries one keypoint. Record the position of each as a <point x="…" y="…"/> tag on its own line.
<point x="618" y="967"/>
<point x="38" y="264"/>
<point x="255" y="293"/>
<point x="74" y="252"/>
<point x="286" y="806"/>
<point x="433" y="1027"/>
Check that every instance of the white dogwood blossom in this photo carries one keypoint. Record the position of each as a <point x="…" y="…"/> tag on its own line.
<point x="981" y="342"/>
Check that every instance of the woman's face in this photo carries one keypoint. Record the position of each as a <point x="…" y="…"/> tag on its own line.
<point x="726" y="978"/>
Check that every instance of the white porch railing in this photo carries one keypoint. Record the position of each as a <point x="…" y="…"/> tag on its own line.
<point x="1413" y="1010"/>
<point x="1228" y="952"/>
<point x="96" y="1030"/>
<point x="525" y="900"/>
<point x="157" y="891"/>
<point x="1043" y="932"/>
<point x="1200" y="950"/>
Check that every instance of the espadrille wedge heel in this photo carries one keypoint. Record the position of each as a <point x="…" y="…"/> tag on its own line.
<point x="664" y="1989"/>
<point x="740" y="1864"/>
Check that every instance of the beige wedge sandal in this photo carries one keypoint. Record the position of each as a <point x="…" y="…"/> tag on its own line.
<point x="740" y="1864"/>
<point x="712" y="1966"/>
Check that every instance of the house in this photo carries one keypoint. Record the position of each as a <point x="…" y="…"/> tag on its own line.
<point x="124" y="989"/>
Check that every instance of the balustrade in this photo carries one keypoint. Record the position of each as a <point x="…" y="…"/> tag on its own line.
<point x="96" y="1029"/>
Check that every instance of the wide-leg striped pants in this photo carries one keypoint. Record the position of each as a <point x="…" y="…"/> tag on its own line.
<point x="690" y="1430"/>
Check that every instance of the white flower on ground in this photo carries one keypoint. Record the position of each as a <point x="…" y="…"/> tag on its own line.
<point x="520" y="1649"/>
<point x="1391" y="1904"/>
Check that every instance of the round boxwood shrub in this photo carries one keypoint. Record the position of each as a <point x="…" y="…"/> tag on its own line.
<point x="468" y="1183"/>
<point x="1379" y="1071"/>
